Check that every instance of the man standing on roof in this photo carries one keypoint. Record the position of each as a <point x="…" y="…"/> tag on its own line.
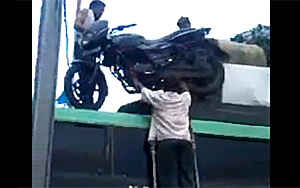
<point x="87" y="23"/>
<point x="170" y="129"/>
<point x="89" y="19"/>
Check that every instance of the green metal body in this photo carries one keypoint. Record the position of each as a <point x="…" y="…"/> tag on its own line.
<point x="217" y="128"/>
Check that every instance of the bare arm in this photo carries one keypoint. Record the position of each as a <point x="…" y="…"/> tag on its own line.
<point x="78" y="6"/>
<point x="84" y="20"/>
<point x="137" y="84"/>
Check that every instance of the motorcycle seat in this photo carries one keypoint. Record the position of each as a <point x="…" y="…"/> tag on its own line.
<point x="179" y="36"/>
<point x="168" y="37"/>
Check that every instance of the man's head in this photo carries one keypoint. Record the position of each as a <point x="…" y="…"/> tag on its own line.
<point x="184" y="23"/>
<point x="97" y="7"/>
<point x="173" y="83"/>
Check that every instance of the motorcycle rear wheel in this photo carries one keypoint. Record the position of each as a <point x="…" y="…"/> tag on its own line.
<point x="76" y="89"/>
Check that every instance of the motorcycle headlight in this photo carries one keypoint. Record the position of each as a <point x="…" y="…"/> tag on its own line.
<point x="84" y="42"/>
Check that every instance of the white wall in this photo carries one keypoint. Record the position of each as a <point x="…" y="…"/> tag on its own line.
<point x="247" y="85"/>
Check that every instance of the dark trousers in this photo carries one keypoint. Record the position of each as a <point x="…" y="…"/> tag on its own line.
<point x="175" y="164"/>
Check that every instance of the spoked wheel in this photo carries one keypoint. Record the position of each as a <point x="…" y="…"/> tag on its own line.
<point x="81" y="92"/>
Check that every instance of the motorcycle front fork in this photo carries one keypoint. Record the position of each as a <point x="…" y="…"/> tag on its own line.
<point x="95" y="71"/>
<point x="87" y="78"/>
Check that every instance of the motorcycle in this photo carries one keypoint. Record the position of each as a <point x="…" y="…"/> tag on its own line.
<point x="185" y="53"/>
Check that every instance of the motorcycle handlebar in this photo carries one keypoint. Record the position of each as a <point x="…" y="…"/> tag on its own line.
<point x="205" y="30"/>
<point x="122" y="27"/>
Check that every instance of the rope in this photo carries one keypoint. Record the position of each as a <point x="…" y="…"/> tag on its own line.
<point x="67" y="38"/>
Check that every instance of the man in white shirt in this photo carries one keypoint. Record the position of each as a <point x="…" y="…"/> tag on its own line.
<point x="170" y="129"/>
<point x="89" y="19"/>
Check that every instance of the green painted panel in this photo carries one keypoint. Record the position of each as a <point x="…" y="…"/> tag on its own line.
<point x="231" y="129"/>
<point x="102" y="118"/>
<point x="141" y="121"/>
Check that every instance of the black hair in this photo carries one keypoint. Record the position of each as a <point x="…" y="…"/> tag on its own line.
<point x="183" y="22"/>
<point x="96" y="4"/>
<point x="171" y="83"/>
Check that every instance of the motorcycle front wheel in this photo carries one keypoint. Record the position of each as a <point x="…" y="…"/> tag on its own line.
<point x="80" y="92"/>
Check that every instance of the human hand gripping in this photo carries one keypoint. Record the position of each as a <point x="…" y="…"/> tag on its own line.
<point x="137" y="84"/>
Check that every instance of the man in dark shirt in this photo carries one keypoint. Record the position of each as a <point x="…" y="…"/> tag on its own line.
<point x="184" y="23"/>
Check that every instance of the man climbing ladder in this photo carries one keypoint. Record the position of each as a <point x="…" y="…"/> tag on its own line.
<point x="169" y="136"/>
